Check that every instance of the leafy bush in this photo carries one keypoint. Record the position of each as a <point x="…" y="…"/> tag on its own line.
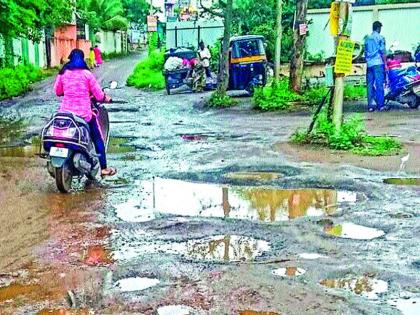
<point x="148" y="72"/>
<point x="351" y="137"/>
<point x="113" y="55"/>
<point x="221" y="100"/>
<point x="15" y="81"/>
<point x="279" y="97"/>
<point x="354" y="92"/>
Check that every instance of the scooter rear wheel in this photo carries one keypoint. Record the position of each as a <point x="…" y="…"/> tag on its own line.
<point x="63" y="178"/>
<point x="414" y="101"/>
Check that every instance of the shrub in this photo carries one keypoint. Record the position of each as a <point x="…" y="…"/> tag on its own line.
<point x="148" y="72"/>
<point x="15" y="81"/>
<point x="221" y="100"/>
<point x="351" y="137"/>
<point x="354" y="92"/>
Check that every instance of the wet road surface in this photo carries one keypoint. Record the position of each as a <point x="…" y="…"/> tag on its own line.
<point x="206" y="216"/>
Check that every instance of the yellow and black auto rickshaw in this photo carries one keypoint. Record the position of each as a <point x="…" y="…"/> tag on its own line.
<point x="248" y="63"/>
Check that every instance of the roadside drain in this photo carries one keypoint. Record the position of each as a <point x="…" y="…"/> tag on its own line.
<point x="176" y="310"/>
<point x="403" y="181"/>
<point x="289" y="272"/>
<point x="408" y="306"/>
<point x="353" y="231"/>
<point x="176" y="197"/>
<point x="136" y="284"/>
<point x="221" y="248"/>
<point x="365" y="286"/>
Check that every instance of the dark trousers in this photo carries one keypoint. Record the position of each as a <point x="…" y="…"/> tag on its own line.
<point x="98" y="141"/>
<point x="375" y="79"/>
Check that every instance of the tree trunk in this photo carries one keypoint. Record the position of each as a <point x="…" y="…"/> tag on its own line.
<point x="296" y="62"/>
<point x="279" y="33"/>
<point x="223" y="77"/>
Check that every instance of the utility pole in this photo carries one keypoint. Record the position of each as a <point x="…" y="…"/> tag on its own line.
<point x="342" y="11"/>
<point x="279" y="34"/>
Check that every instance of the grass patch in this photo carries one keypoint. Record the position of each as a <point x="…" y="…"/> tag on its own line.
<point x="355" y="92"/>
<point x="148" y="72"/>
<point x="221" y="100"/>
<point x="120" y="145"/>
<point x="15" y="81"/>
<point x="277" y="96"/>
<point x="351" y="137"/>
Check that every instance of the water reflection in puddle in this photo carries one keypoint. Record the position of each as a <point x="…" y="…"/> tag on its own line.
<point x="311" y="256"/>
<point x="136" y="284"/>
<point x="289" y="272"/>
<point x="409" y="306"/>
<point x="208" y="200"/>
<point x="259" y="176"/>
<point x="221" y="248"/>
<point x="25" y="151"/>
<point x="364" y="286"/>
<point x="176" y="310"/>
<point x="353" y="231"/>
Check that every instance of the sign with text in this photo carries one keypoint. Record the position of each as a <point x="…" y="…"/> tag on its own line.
<point x="344" y="59"/>
<point x="151" y="23"/>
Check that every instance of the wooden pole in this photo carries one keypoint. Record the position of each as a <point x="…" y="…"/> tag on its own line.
<point x="279" y="34"/>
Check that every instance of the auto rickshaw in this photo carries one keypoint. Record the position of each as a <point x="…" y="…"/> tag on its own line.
<point x="247" y="63"/>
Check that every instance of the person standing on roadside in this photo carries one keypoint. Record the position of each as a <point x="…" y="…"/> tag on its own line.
<point x="375" y="55"/>
<point x="205" y="56"/>
<point x="98" y="55"/>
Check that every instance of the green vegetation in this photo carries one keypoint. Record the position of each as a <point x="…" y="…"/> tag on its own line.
<point x="351" y="137"/>
<point x="16" y="80"/>
<point x="113" y="55"/>
<point x="278" y="96"/>
<point x="221" y="100"/>
<point x="354" y="92"/>
<point x="148" y="72"/>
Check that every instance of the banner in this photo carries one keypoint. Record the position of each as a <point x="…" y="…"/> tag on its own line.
<point x="344" y="59"/>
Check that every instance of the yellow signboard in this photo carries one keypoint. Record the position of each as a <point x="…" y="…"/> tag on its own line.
<point x="344" y="60"/>
<point x="334" y="16"/>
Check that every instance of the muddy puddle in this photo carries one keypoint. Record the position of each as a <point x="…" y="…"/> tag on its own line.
<point x="253" y="176"/>
<point x="181" y="198"/>
<point x="176" y="310"/>
<point x="289" y="272"/>
<point x="407" y="306"/>
<point x="119" y="145"/>
<point x="136" y="284"/>
<point x="403" y="181"/>
<point x="353" y="231"/>
<point x="220" y="248"/>
<point x="251" y="312"/>
<point x="20" y="151"/>
<point x="365" y="286"/>
<point x="311" y="256"/>
<point x="64" y="312"/>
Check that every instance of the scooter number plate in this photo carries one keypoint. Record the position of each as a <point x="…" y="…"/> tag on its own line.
<point x="59" y="152"/>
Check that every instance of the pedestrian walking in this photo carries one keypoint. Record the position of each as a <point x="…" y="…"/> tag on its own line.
<point x="98" y="55"/>
<point x="375" y="55"/>
<point x="92" y="63"/>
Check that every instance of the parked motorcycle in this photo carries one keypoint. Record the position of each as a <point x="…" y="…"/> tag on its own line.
<point x="403" y="84"/>
<point x="67" y="146"/>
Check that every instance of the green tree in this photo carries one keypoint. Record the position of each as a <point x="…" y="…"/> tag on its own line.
<point x="29" y="17"/>
<point x="136" y="10"/>
<point x="103" y="14"/>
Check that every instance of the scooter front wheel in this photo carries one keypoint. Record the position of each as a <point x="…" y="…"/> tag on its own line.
<point x="63" y="178"/>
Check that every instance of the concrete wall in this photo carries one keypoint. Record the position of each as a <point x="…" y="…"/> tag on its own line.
<point x="401" y="22"/>
<point x="111" y="42"/>
<point x="187" y="33"/>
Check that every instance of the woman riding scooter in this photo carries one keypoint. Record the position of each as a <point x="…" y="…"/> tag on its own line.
<point x="76" y="83"/>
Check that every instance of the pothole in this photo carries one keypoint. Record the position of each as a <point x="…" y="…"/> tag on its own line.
<point x="253" y="176"/>
<point x="221" y="248"/>
<point x="289" y="272"/>
<point x="181" y="198"/>
<point x="407" y="306"/>
<point x="136" y="284"/>
<point x="415" y="181"/>
<point x="130" y="211"/>
<point x="194" y="137"/>
<point x="365" y="286"/>
<point x="176" y="310"/>
<point x="251" y="312"/>
<point x="353" y="231"/>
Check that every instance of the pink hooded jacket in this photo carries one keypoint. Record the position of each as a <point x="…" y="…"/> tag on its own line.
<point x="77" y="86"/>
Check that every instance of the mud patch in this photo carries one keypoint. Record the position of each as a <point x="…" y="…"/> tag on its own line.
<point x="20" y="151"/>
<point x="365" y="286"/>
<point x="136" y="284"/>
<point x="181" y="198"/>
<point x="403" y="181"/>
<point x="409" y="306"/>
<point x="253" y="176"/>
<point x="64" y="312"/>
<point x="289" y="272"/>
<point x="353" y="231"/>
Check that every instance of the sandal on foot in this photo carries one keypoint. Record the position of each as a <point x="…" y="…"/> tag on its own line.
<point x="108" y="172"/>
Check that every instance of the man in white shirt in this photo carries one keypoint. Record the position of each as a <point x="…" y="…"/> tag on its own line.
<point x="205" y="56"/>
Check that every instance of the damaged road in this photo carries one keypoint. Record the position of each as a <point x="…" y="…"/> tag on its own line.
<point x="207" y="215"/>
